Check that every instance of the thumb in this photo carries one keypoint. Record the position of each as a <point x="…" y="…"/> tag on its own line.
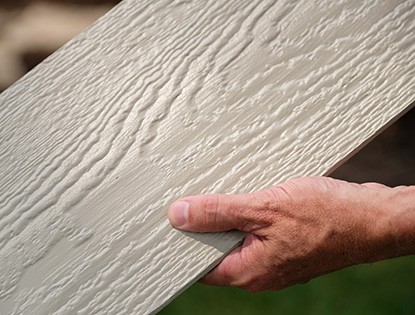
<point x="215" y="213"/>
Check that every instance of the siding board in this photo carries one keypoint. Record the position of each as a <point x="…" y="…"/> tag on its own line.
<point x="161" y="99"/>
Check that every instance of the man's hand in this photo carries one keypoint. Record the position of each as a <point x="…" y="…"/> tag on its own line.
<point x="302" y="229"/>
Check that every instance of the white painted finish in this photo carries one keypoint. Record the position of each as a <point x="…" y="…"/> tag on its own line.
<point x="161" y="99"/>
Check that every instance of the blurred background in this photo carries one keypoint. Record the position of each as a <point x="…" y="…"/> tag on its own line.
<point x="32" y="30"/>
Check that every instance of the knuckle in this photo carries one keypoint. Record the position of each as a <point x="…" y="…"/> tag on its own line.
<point x="275" y="198"/>
<point x="210" y="207"/>
<point x="266" y="200"/>
<point x="210" y="202"/>
<point x="254" y="281"/>
<point x="281" y="194"/>
<point x="253" y="286"/>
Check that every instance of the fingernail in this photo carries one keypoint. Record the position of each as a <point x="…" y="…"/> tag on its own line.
<point x="179" y="213"/>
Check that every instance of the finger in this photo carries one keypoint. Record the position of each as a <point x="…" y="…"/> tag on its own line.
<point x="214" y="213"/>
<point x="227" y="272"/>
<point x="241" y="267"/>
<point x="374" y="185"/>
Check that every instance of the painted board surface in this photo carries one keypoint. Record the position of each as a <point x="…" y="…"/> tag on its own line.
<point x="161" y="99"/>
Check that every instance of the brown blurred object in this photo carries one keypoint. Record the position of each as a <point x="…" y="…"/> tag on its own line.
<point x="31" y="30"/>
<point x="388" y="159"/>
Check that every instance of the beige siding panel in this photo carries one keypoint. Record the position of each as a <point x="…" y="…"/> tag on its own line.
<point x="161" y="99"/>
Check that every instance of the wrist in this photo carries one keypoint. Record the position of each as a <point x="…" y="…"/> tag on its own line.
<point x="400" y="214"/>
<point x="382" y="224"/>
<point x="391" y="232"/>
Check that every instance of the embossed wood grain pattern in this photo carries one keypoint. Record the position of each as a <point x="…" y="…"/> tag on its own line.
<point x="161" y="99"/>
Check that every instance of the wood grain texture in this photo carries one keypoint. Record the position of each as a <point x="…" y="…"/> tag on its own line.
<point x="161" y="99"/>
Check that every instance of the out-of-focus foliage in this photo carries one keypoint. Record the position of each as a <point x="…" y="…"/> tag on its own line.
<point x="382" y="288"/>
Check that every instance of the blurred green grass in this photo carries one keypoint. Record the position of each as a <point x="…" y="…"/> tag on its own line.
<point x="386" y="287"/>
